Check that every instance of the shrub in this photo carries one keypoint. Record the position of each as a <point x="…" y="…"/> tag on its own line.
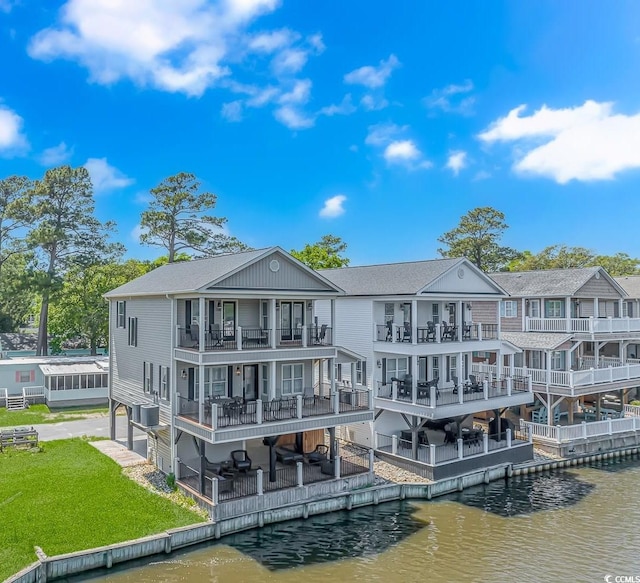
<point x="171" y="481"/>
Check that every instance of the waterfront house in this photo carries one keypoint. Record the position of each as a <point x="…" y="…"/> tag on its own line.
<point x="578" y="338"/>
<point x="220" y="362"/>
<point x="419" y="325"/>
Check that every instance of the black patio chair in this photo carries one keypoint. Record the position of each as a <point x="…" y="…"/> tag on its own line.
<point x="431" y="332"/>
<point x="406" y="332"/>
<point x="474" y="386"/>
<point x="389" y="337"/>
<point x="241" y="460"/>
<point x="456" y="384"/>
<point x="318" y="455"/>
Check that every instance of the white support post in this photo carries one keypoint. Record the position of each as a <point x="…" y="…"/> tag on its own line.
<point x="508" y="432"/>
<point x="485" y="389"/>
<point x="336" y="466"/>
<point x="485" y="443"/>
<point x="414" y="323"/>
<point x="201" y="330"/>
<point x="375" y="440"/>
<point x="370" y="399"/>
<point x="584" y="429"/>
<point x="433" y="396"/>
<point x="509" y="386"/>
<point x="460" y="391"/>
<point x="394" y="332"/>
<point x="299" y="406"/>
<point x="460" y="320"/>
<point x="259" y="482"/>
<point x="201" y="394"/>
<point x="394" y="444"/>
<point x="567" y="313"/>
<point x="432" y="454"/>
<point x="299" y="473"/>
<point x="394" y="391"/>
<point x="259" y="411"/>
<point x="438" y="333"/>
<point x="336" y="403"/>
<point x="480" y="332"/>
<point x="304" y="336"/>
<point x="372" y="459"/>
<point x="529" y="383"/>
<point x="610" y="426"/>
<point x="460" y="450"/>
<point x="214" y="490"/>
<point x="596" y="308"/>
<point x="239" y="337"/>
<point x="214" y="416"/>
<point x="272" y="380"/>
<point x="273" y="323"/>
<point x="177" y="335"/>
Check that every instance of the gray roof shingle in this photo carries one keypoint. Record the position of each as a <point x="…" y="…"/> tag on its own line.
<point x="536" y="340"/>
<point x="390" y="278"/>
<point x="547" y="282"/>
<point x="630" y="284"/>
<point x="187" y="276"/>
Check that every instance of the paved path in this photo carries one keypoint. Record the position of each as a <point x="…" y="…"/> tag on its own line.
<point x="119" y="453"/>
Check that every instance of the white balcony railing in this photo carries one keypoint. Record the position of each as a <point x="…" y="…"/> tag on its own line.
<point x="567" y="378"/>
<point x="568" y="433"/>
<point x="585" y="325"/>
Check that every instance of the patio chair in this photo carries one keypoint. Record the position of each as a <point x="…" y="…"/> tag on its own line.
<point x="318" y="455"/>
<point x="456" y="384"/>
<point x="321" y="334"/>
<point x="431" y="332"/>
<point x="241" y="460"/>
<point x="215" y="335"/>
<point x="539" y="415"/>
<point x="474" y="385"/>
<point x="389" y="337"/>
<point x="406" y="332"/>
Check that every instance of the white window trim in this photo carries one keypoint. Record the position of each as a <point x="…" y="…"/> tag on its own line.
<point x="121" y="315"/>
<point x="512" y="312"/>
<point x="292" y="378"/>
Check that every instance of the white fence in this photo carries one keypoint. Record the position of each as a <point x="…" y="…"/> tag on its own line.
<point x="589" y="325"/>
<point x="568" y="433"/>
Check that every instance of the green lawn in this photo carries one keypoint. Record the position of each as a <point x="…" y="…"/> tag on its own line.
<point x="70" y="497"/>
<point x="41" y="414"/>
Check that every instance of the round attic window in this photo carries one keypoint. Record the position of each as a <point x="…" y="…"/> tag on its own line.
<point x="597" y="275"/>
<point x="274" y="265"/>
<point x="461" y="273"/>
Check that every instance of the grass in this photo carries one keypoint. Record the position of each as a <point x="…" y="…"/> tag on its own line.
<point x="69" y="497"/>
<point x="36" y="414"/>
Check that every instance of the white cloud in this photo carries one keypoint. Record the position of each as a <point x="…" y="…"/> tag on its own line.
<point x="293" y="118"/>
<point x="269" y="42"/>
<point x="104" y="176"/>
<point x="371" y="76"/>
<point x="173" y="46"/>
<point x="372" y="103"/>
<point x="12" y="139"/>
<point x="383" y="133"/>
<point x="137" y="231"/>
<point x="481" y="175"/>
<point x="401" y="151"/>
<point x="457" y="161"/>
<point x="232" y="111"/>
<point x="587" y="142"/>
<point x="298" y="94"/>
<point x="316" y="43"/>
<point x="6" y="5"/>
<point x="56" y="155"/>
<point x="345" y="107"/>
<point x="333" y="206"/>
<point x="395" y="147"/>
<point x="289" y="61"/>
<point x="452" y="98"/>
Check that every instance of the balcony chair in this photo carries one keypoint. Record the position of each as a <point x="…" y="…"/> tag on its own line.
<point x="321" y="334"/>
<point x="431" y="332"/>
<point x="456" y="384"/>
<point x="474" y="385"/>
<point x="318" y="455"/>
<point x="448" y="331"/>
<point x="241" y="460"/>
<point x="216" y="335"/>
<point x="406" y="332"/>
<point x="389" y="336"/>
<point x="288" y="456"/>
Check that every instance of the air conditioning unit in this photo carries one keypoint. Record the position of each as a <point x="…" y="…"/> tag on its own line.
<point x="149" y="415"/>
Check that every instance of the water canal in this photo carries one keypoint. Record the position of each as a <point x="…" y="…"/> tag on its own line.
<point x="577" y="525"/>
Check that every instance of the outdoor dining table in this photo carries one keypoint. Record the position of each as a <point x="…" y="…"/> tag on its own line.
<point x="470" y="436"/>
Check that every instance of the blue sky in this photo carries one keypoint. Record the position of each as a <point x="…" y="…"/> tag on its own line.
<point x="379" y="122"/>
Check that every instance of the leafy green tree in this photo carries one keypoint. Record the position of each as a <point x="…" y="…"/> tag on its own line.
<point x="65" y="234"/>
<point x="80" y="310"/>
<point x="477" y="237"/>
<point x="176" y="219"/>
<point x="325" y="254"/>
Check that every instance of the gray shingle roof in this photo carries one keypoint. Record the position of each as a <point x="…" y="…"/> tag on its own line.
<point x="547" y="282"/>
<point x="390" y="278"/>
<point x="187" y="276"/>
<point x="630" y="284"/>
<point x="536" y="340"/>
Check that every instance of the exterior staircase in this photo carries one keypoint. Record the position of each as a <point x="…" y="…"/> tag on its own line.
<point x="16" y="403"/>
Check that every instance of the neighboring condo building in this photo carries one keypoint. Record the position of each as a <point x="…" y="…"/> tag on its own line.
<point x="421" y="326"/>
<point x="220" y="362"/>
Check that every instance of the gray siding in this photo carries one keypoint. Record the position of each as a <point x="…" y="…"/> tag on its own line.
<point x="598" y="288"/>
<point x="289" y="277"/>
<point x="154" y="346"/>
<point x="485" y="312"/>
<point x="511" y="324"/>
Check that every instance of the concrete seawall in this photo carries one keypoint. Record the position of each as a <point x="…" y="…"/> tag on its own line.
<point x="47" y="569"/>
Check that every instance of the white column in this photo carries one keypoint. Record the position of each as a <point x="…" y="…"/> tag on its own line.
<point x="272" y="380"/>
<point x="524" y="313"/>
<point x="414" y="379"/>
<point x="567" y="313"/>
<point x="201" y="303"/>
<point x="273" y="322"/>
<point x="414" y="322"/>
<point x="596" y="308"/>
<point x="459" y="321"/>
<point x="201" y="394"/>
<point x="333" y="322"/>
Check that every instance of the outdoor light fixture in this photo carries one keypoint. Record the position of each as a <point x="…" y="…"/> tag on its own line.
<point x="468" y="306"/>
<point x="219" y="305"/>
<point x="309" y="305"/>
<point x="379" y="363"/>
<point x="238" y="370"/>
<point x="183" y="373"/>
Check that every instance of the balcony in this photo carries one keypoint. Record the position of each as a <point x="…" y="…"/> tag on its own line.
<point x="431" y="402"/>
<point x="226" y="419"/>
<point x="254" y="338"/>
<point x="436" y="333"/>
<point x="583" y="325"/>
<point x="572" y="382"/>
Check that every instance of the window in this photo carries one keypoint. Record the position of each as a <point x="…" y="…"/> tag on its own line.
<point x="338" y="372"/>
<point x="265" y="315"/>
<point x="435" y="313"/>
<point x="406" y="313"/>
<point x="147" y="384"/>
<point x="535" y="359"/>
<point x="388" y="312"/>
<point x="164" y="383"/>
<point x="554" y="309"/>
<point x="217" y="380"/>
<point x="292" y="379"/>
<point x="265" y="382"/>
<point x="361" y="372"/>
<point x="121" y="310"/>
<point x="509" y="309"/>
<point x="627" y="309"/>
<point x="557" y="360"/>
<point x="435" y="367"/>
<point x="25" y="376"/>
<point x="534" y="308"/>
<point x="133" y="331"/>
<point x="451" y="370"/>
<point x="396" y="368"/>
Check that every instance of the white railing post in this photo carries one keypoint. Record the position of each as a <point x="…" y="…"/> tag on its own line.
<point x="394" y="444"/>
<point x="394" y="332"/>
<point x="584" y="429"/>
<point x="394" y="391"/>
<point x="214" y="416"/>
<point x="508" y="432"/>
<point x="177" y="336"/>
<point x="461" y="394"/>
<point x="299" y="473"/>
<point x="592" y="376"/>
<point x="485" y="443"/>
<point x="239" y="337"/>
<point x="509" y="386"/>
<point x="485" y="389"/>
<point x="299" y="406"/>
<point x="414" y="392"/>
<point x="336" y="403"/>
<point x="304" y="336"/>
<point x="375" y="440"/>
<point x="370" y="399"/>
<point x="259" y="411"/>
<point x="259" y="483"/>
<point x="433" y="395"/>
<point x="460" y="448"/>
<point x="372" y="459"/>
<point x="610" y="373"/>
<point x="526" y="324"/>
<point x="336" y="466"/>
<point x="214" y="490"/>
<point x="591" y="324"/>
<point x="480" y="332"/>
<point x="610" y="424"/>
<point x="530" y="434"/>
<point x="432" y="454"/>
<point x="438" y="333"/>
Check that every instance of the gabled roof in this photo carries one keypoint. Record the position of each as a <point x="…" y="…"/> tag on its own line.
<point x="390" y="279"/>
<point x="536" y="340"/>
<point x="630" y="284"/>
<point x="198" y="274"/>
<point x="549" y="282"/>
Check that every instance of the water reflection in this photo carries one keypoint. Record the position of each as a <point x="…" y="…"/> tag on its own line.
<point x="616" y="464"/>
<point x="330" y="537"/>
<point x="526" y="494"/>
